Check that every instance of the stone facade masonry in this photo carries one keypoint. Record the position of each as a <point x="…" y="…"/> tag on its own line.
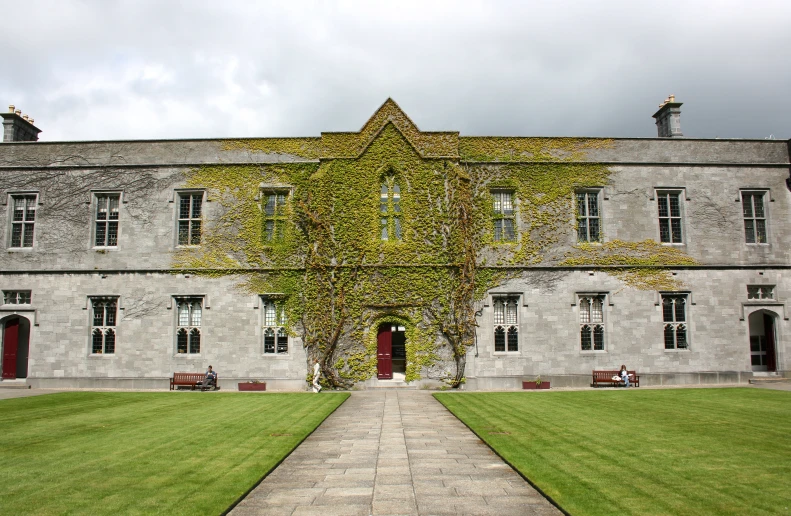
<point x="63" y="270"/>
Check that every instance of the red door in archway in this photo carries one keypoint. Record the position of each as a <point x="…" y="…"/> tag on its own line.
<point x="10" y="348"/>
<point x="384" y="352"/>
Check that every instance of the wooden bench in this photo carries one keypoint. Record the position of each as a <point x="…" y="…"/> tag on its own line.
<point x="606" y="378"/>
<point x="191" y="380"/>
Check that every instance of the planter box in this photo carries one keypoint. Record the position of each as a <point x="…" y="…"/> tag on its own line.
<point x="249" y="386"/>
<point x="532" y="385"/>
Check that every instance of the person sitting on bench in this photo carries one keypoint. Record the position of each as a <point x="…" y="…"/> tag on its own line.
<point x="623" y="373"/>
<point x="210" y="380"/>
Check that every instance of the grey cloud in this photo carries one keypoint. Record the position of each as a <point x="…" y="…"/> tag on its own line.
<point x="513" y="68"/>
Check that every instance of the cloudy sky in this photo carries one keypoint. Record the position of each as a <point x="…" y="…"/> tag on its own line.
<point x="133" y="69"/>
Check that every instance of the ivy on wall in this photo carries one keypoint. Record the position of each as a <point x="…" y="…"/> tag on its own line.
<point x="339" y="280"/>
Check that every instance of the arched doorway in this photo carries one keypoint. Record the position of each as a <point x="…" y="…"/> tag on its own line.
<point x="16" y="347"/>
<point x="763" y="339"/>
<point x="390" y="350"/>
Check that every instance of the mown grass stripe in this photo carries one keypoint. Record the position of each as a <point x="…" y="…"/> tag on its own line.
<point x="144" y="453"/>
<point x="691" y="451"/>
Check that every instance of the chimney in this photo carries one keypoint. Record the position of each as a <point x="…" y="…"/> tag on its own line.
<point x="668" y="118"/>
<point x="18" y="128"/>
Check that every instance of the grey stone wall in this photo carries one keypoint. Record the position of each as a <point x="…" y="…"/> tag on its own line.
<point x="549" y="328"/>
<point x="713" y="223"/>
<point x="231" y="327"/>
<point x="63" y="269"/>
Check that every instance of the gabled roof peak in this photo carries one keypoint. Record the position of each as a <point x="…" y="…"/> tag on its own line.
<point x="433" y="144"/>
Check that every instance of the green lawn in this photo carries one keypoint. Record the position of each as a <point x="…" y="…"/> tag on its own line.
<point x="134" y="453"/>
<point x="679" y="451"/>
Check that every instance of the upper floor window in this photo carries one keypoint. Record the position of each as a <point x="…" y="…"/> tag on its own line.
<point x="754" y="217"/>
<point x="503" y="215"/>
<point x="760" y="292"/>
<point x="674" y="316"/>
<point x="16" y="297"/>
<point x="591" y="322"/>
<point x="190" y="218"/>
<point x="669" y="217"/>
<point x="390" y="209"/>
<point x="588" y="218"/>
<point x="506" y="323"/>
<point x="23" y="220"/>
<point x="275" y="333"/>
<point x="189" y="311"/>
<point x="275" y="216"/>
<point x="106" y="216"/>
<point x="103" y="325"/>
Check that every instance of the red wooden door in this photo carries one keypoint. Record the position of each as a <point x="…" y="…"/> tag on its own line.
<point x="384" y="352"/>
<point x="10" y="345"/>
<point x="769" y="332"/>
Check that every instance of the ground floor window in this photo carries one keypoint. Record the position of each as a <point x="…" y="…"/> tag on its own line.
<point x="189" y="312"/>
<point x="506" y="324"/>
<point x="275" y="333"/>
<point x="103" y="325"/>
<point x="591" y="322"/>
<point x="674" y="315"/>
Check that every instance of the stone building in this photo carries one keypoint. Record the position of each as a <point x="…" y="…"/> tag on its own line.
<point x="394" y="256"/>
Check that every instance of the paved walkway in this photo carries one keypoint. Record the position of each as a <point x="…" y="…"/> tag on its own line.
<point x="393" y="452"/>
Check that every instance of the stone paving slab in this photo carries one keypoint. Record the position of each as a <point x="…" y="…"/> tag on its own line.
<point x="393" y="453"/>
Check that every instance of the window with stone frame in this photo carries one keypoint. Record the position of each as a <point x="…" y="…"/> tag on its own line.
<point x="503" y="215"/>
<point x="275" y="331"/>
<point x="758" y="292"/>
<point x="591" y="308"/>
<point x="106" y="220"/>
<point x="588" y="216"/>
<point x="23" y="219"/>
<point x="670" y="217"/>
<point x="754" y="212"/>
<point x="104" y="311"/>
<point x="189" y="312"/>
<point x="506" y="324"/>
<point x="390" y="209"/>
<point x="275" y="214"/>
<point x="190" y="218"/>
<point x="674" y="317"/>
<point x="16" y="297"/>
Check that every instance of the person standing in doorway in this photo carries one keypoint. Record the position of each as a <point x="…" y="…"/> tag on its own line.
<point x="316" y="377"/>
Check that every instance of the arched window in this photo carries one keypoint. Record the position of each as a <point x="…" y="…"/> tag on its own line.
<point x="275" y="334"/>
<point x="506" y="324"/>
<point x="674" y="315"/>
<point x="390" y="209"/>
<point x="591" y="323"/>
<point x="189" y="312"/>
<point x="103" y="323"/>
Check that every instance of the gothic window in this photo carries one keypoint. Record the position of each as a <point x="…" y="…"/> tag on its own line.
<point x="588" y="217"/>
<point x="506" y="324"/>
<point x="756" y="292"/>
<point x="188" y="321"/>
<point x="674" y="316"/>
<point x="23" y="220"/>
<point x="106" y="220"/>
<point x="669" y="217"/>
<point x="190" y="218"/>
<point x="275" y="216"/>
<point x="754" y="217"/>
<point x="591" y="322"/>
<point x="103" y="332"/>
<point x="503" y="215"/>
<point x="275" y="332"/>
<point x="390" y="210"/>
